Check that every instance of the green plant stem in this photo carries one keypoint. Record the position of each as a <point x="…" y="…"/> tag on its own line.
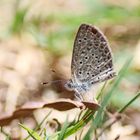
<point x="130" y="102"/>
<point x="73" y="129"/>
<point x="101" y="92"/>
<point x="5" y="133"/>
<point x="98" y="119"/>
<point x="118" y="117"/>
<point x="63" y="131"/>
<point x="39" y="125"/>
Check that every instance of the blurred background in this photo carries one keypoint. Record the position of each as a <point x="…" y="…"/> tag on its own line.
<point x="36" y="42"/>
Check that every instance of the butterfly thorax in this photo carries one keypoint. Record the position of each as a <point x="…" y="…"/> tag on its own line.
<point x="77" y="87"/>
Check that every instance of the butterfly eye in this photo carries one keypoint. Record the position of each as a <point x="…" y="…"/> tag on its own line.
<point x="69" y="85"/>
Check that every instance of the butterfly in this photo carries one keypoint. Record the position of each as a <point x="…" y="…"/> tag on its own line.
<point x="91" y="60"/>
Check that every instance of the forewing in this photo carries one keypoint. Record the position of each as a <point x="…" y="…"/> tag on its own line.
<point x="92" y="58"/>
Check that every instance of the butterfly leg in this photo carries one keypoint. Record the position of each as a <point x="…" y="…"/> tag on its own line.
<point x="78" y="96"/>
<point x="95" y="100"/>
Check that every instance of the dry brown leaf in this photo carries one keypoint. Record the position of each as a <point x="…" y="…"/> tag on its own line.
<point x="61" y="105"/>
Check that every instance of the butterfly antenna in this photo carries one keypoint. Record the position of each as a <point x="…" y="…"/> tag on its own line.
<point x="52" y="82"/>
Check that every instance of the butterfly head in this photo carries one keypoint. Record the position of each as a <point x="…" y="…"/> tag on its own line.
<point x="79" y="88"/>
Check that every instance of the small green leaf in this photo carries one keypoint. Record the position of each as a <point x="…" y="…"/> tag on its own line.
<point x="31" y="132"/>
<point x="63" y="131"/>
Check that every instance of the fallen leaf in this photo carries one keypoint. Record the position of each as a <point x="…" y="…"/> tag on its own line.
<point x="61" y="105"/>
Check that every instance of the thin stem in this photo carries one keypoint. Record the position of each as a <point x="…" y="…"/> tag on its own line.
<point x="39" y="125"/>
<point x="130" y="102"/>
<point x="118" y="117"/>
<point x="101" y="92"/>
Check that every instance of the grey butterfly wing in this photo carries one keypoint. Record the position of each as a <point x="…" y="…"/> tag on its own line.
<point x="92" y="58"/>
